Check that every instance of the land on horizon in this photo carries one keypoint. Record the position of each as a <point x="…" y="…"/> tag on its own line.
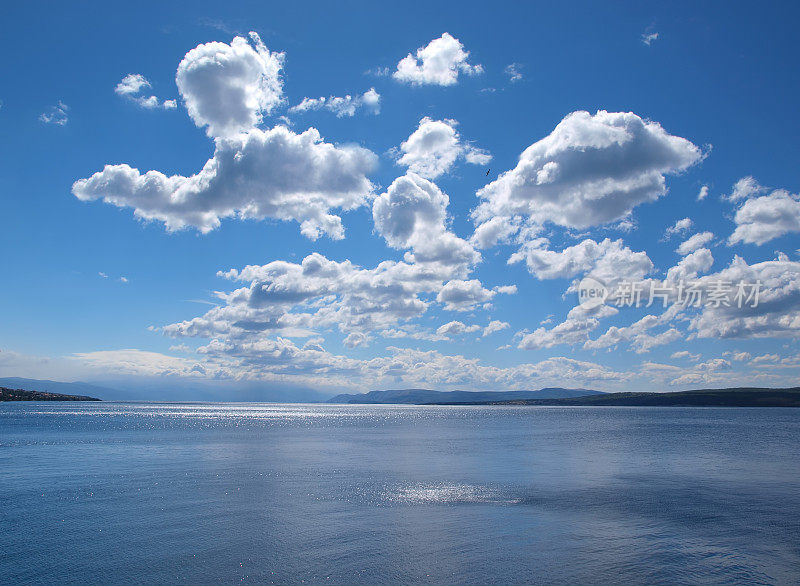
<point x="728" y="397"/>
<point x="23" y="395"/>
<point x="550" y="396"/>
<point x="733" y="397"/>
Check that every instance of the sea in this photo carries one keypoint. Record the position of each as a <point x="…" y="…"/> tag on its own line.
<point x="223" y="493"/>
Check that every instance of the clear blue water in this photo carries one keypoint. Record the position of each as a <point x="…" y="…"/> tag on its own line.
<point x="221" y="493"/>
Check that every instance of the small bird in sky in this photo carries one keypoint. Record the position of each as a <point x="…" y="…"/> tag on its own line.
<point x="487" y="172"/>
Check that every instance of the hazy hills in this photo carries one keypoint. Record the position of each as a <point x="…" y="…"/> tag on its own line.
<point x="22" y="389"/>
<point x="423" y="396"/>
<point x="731" y="397"/>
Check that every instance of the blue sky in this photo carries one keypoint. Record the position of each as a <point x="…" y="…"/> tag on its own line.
<point x="630" y="111"/>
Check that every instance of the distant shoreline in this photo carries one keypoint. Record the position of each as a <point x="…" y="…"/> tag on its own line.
<point x="734" y="397"/>
<point x="729" y="397"/>
<point x="23" y="395"/>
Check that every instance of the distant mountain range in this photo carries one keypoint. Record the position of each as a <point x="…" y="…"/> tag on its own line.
<point x="24" y="389"/>
<point x="731" y="397"/>
<point x="425" y="396"/>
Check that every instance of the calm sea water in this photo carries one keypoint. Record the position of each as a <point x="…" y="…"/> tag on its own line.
<point x="220" y="493"/>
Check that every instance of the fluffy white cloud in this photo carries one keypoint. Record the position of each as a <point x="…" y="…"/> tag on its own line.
<point x="439" y="63"/>
<point x="637" y="334"/>
<point x="777" y="313"/>
<point x="591" y="170"/>
<point x="612" y="264"/>
<point x="725" y="376"/>
<point x="694" y="263"/>
<point x="456" y="328"/>
<point x="703" y="193"/>
<point x="695" y="242"/>
<point x="461" y="295"/>
<point x="228" y="88"/>
<point x="709" y="372"/>
<point x="354" y="340"/>
<point x="573" y="330"/>
<point x="644" y="342"/>
<point x="254" y="173"/>
<point x="132" y="86"/>
<point x="370" y="100"/>
<point x="58" y="115"/>
<point x="261" y="174"/>
<point x="294" y="299"/>
<point x="412" y="213"/>
<point x="434" y="147"/>
<point x="320" y="293"/>
<point x="495" y="326"/>
<point x="316" y="294"/>
<point x="685" y="354"/>
<point x="410" y="209"/>
<point x="476" y="156"/>
<point x="678" y="228"/>
<point x="764" y="218"/>
<point x="745" y="188"/>
<point x="494" y="231"/>
<point x="607" y="261"/>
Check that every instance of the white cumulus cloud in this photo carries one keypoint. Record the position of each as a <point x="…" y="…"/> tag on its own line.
<point x="439" y="63"/>
<point x="764" y="218"/>
<point x="132" y="87"/>
<point x="694" y="242"/>
<point x="637" y="334"/>
<point x="573" y="330"/>
<point x="678" y="228"/>
<point x="456" y="328"/>
<point x="461" y="295"/>
<point x="495" y="326"/>
<point x="228" y="88"/>
<point x="608" y="261"/>
<point x="776" y="313"/>
<point x="355" y="340"/>
<point x="261" y="174"/>
<point x="745" y="188"/>
<point x="434" y="147"/>
<point x="591" y="170"/>
<point x="692" y="264"/>
<point x="412" y="213"/>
